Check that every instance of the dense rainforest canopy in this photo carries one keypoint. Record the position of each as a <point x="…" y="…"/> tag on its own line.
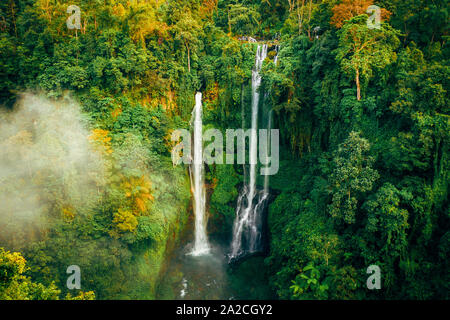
<point x="86" y="116"/>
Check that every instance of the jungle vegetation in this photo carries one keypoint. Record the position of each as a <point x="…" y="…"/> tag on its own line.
<point x="363" y="116"/>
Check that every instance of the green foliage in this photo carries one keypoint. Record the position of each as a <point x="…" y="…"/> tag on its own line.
<point x="380" y="197"/>
<point x="351" y="176"/>
<point x="386" y="217"/>
<point x="243" y="20"/>
<point x="307" y="286"/>
<point x="361" y="50"/>
<point x="14" y="285"/>
<point x="222" y="199"/>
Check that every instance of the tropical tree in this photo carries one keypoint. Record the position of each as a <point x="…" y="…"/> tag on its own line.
<point x="307" y="284"/>
<point x="361" y="50"/>
<point x="14" y="285"/>
<point x="387" y="218"/>
<point x="187" y="30"/>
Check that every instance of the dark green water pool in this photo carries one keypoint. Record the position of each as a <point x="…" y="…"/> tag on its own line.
<point x="210" y="277"/>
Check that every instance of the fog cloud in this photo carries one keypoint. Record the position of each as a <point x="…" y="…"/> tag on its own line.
<point x="47" y="166"/>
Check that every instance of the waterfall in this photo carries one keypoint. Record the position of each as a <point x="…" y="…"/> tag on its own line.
<point x="201" y="245"/>
<point x="275" y="59"/>
<point x="248" y="222"/>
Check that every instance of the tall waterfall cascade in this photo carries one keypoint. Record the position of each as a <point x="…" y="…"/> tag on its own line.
<point x="201" y="245"/>
<point x="247" y="227"/>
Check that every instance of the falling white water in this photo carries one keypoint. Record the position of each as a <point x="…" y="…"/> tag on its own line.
<point x="247" y="225"/>
<point x="201" y="245"/>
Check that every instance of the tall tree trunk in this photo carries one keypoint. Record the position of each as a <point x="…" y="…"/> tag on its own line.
<point x="84" y="26"/>
<point x="13" y="16"/>
<point x="309" y="19"/>
<point x="358" y="87"/>
<point x="189" y="56"/>
<point x="291" y="5"/>
<point x="300" y="16"/>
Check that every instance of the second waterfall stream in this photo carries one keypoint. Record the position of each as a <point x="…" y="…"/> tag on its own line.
<point x="247" y="228"/>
